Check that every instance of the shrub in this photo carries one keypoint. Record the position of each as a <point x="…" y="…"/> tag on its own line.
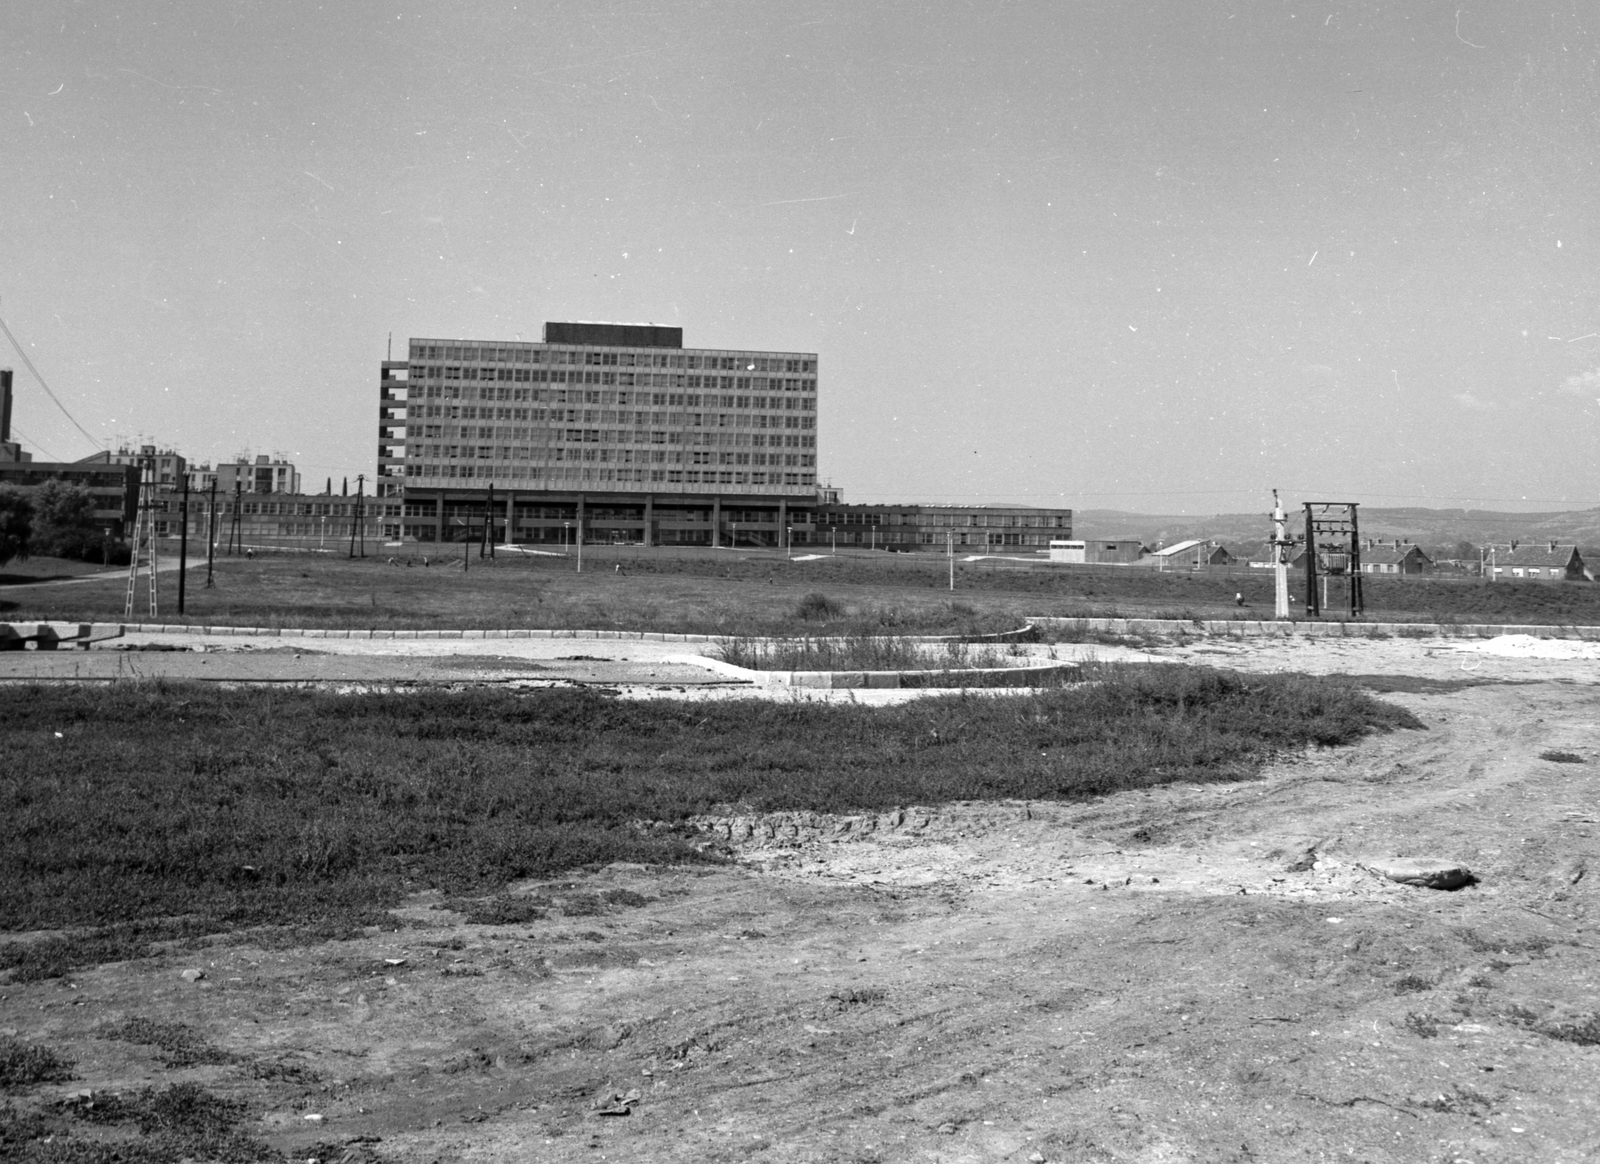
<point x="16" y="523"/>
<point x="24" y="1064"/>
<point x="815" y="607"/>
<point x="64" y="524"/>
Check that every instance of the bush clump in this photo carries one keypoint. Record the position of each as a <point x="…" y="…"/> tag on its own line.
<point x="24" y="1064"/>
<point x="817" y="607"/>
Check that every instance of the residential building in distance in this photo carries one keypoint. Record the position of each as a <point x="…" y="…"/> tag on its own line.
<point x="614" y="430"/>
<point x="1394" y="558"/>
<point x="263" y="475"/>
<point x="168" y="465"/>
<point x="1548" y="562"/>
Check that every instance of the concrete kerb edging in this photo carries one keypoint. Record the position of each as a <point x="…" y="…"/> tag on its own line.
<point x="1262" y="628"/>
<point x="1228" y="628"/>
<point x="841" y="680"/>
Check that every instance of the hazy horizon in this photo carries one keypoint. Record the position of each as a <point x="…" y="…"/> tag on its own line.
<point x="1108" y="254"/>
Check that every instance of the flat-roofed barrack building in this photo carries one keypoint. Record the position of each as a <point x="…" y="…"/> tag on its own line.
<point x="617" y="429"/>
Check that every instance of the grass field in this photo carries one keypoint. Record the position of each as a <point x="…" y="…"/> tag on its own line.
<point x="743" y="593"/>
<point x="166" y="811"/>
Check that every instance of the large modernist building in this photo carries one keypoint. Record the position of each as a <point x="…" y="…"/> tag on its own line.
<point x="616" y="429"/>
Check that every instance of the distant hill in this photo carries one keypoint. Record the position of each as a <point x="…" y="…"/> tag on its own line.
<point x="1437" y="530"/>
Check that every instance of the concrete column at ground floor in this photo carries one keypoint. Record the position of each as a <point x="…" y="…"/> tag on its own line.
<point x="579" y="532"/>
<point x="511" y="516"/>
<point x="438" y="518"/>
<point x="783" y="522"/>
<point x="716" y="522"/>
<point x="649" y="519"/>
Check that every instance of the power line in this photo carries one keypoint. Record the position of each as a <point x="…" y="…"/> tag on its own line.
<point x="45" y="386"/>
<point x="33" y="442"/>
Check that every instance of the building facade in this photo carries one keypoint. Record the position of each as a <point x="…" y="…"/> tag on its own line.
<point x="263" y="475"/>
<point x="614" y="430"/>
<point x="281" y="520"/>
<point x="906" y="528"/>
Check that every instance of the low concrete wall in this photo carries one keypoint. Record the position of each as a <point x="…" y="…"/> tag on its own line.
<point x="842" y="680"/>
<point x="1263" y="628"/>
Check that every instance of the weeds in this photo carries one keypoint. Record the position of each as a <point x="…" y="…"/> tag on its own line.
<point x="1423" y="1025"/>
<point x="341" y="806"/>
<point x="25" y="1064"/>
<point x="180" y="1045"/>
<point x="856" y="652"/>
<point x="177" y="1122"/>
<point x="1585" y="1032"/>
<point x="504" y="911"/>
<point x="1412" y="984"/>
<point x="1557" y="757"/>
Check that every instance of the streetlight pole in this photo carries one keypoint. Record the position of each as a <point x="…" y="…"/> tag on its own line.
<point x="834" y="530"/>
<point x="183" y="541"/>
<point x="580" y="545"/>
<point x="211" y="535"/>
<point x="788" y="542"/>
<point x="950" y="552"/>
<point x="566" y="534"/>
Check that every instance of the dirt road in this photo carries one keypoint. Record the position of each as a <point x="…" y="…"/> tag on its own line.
<point x="1185" y="974"/>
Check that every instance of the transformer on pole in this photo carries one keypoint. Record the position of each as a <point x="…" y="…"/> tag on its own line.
<point x="1281" y="545"/>
<point x="1335" y="520"/>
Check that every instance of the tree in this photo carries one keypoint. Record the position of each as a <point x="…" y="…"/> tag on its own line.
<point x="16" y="523"/>
<point x="64" y="524"/>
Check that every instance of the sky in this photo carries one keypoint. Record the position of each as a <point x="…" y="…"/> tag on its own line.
<point x="1159" y="256"/>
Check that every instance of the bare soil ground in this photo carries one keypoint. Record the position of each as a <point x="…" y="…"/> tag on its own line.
<point x="1184" y="974"/>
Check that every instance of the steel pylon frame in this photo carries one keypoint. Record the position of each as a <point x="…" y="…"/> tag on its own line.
<point x="143" y="532"/>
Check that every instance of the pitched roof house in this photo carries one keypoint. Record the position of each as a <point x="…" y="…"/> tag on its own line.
<point x="1547" y="562"/>
<point x="1399" y="558"/>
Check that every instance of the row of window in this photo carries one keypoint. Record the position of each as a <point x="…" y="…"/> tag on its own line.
<point x="615" y="379"/>
<point x="607" y="396"/>
<point x="546" y="436"/>
<point x="269" y="508"/>
<point x="619" y="359"/>
<point x="591" y="474"/>
<point x="421" y="468"/>
<point x="942" y="520"/>
<point x="606" y="416"/>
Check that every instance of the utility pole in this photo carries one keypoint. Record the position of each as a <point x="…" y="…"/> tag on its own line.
<point x="950" y="553"/>
<point x="486" y="543"/>
<point x="1280" y="561"/>
<point x="183" y="541"/>
<point x="235" y="532"/>
<point x="211" y="535"/>
<point x="580" y="545"/>
<point x="357" y="527"/>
